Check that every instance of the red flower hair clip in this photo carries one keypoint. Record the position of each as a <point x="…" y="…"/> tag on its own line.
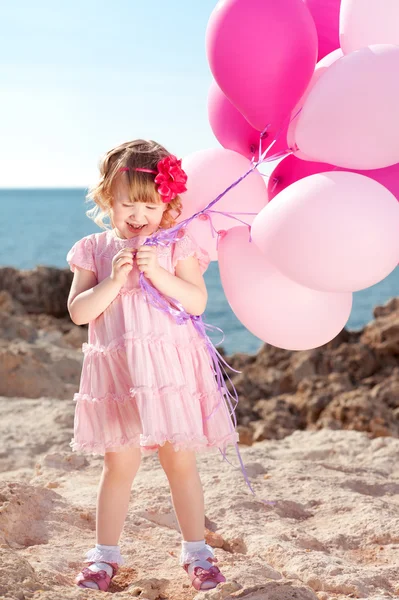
<point x="170" y="177"/>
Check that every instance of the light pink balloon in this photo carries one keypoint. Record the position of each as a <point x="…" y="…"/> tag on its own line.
<point x="209" y="173"/>
<point x="334" y="231"/>
<point x="326" y="17"/>
<point x="367" y="22"/>
<point x="293" y="169"/>
<point x="351" y="116"/>
<point x="232" y="129"/>
<point x="320" y="69"/>
<point x="274" y="308"/>
<point x="262" y="55"/>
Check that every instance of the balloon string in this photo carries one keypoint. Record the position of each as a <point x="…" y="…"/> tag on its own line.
<point x="175" y="309"/>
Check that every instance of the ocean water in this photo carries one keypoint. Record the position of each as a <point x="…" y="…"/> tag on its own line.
<point x="39" y="226"/>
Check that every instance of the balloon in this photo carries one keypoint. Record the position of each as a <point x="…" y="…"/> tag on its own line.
<point x="320" y="69"/>
<point x="273" y="307"/>
<point x="229" y="126"/>
<point x="351" y="116"/>
<point x="262" y="54"/>
<point x="233" y="131"/>
<point x="292" y="169"/>
<point x="367" y="22"/>
<point x="325" y="14"/>
<point x="210" y="172"/>
<point x="334" y="231"/>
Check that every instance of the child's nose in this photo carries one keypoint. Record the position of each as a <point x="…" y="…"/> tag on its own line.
<point x="136" y="214"/>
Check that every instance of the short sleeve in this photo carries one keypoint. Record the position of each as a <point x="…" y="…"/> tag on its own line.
<point x="187" y="246"/>
<point x="82" y="255"/>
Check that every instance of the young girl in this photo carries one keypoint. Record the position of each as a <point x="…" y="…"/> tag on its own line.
<point x="147" y="382"/>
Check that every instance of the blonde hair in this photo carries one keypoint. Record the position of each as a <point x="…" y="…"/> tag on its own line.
<point x="141" y="187"/>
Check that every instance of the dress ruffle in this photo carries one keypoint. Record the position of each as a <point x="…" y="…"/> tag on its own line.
<point x="145" y="379"/>
<point x="148" y="418"/>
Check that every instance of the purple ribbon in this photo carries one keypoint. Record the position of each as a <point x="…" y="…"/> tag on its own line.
<point x="174" y="308"/>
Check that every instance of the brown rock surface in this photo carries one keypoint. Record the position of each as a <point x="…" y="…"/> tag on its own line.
<point x="319" y="433"/>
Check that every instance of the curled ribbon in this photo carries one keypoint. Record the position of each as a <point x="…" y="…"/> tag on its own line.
<point x="174" y="308"/>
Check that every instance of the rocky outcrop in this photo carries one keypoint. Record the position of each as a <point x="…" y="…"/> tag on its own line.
<point x="350" y="383"/>
<point x="318" y="436"/>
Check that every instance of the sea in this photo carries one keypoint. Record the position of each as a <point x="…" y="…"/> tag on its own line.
<point x="39" y="226"/>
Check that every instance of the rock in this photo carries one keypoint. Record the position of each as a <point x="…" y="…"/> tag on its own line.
<point x="279" y="417"/>
<point x="319" y="435"/>
<point x="33" y="370"/>
<point x="332" y="531"/>
<point x="358" y="410"/>
<point x="41" y="290"/>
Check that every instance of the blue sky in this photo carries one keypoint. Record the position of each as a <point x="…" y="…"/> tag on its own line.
<point x="79" y="77"/>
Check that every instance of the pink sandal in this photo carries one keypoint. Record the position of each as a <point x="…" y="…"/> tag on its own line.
<point x="101" y="578"/>
<point x="199" y="575"/>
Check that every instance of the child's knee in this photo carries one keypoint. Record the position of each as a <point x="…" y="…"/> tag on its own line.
<point x="124" y="462"/>
<point x="176" y="462"/>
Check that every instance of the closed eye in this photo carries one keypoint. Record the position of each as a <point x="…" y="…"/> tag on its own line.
<point x="130" y="205"/>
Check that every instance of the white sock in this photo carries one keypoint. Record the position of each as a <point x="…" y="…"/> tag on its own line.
<point x="200" y="552"/>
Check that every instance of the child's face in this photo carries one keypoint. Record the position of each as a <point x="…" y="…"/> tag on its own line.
<point x="125" y="213"/>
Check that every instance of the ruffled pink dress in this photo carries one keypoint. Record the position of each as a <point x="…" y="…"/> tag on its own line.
<point x="145" y="379"/>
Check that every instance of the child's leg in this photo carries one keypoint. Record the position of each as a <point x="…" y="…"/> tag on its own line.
<point x="186" y="490"/>
<point x="188" y="501"/>
<point x="119" y="471"/>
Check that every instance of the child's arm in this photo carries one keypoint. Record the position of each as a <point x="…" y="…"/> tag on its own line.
<point x="86" y="300"/>
<point x="187" y="286"/>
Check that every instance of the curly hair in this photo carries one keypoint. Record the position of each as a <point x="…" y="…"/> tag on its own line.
<point x="141" y="187"/>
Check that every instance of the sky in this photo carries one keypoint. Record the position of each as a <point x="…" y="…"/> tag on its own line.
<point x="79" y="77"/>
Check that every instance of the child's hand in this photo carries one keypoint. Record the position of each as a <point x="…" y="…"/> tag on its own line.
<point x="122" y="264"/>
<point x="147" y="260"/>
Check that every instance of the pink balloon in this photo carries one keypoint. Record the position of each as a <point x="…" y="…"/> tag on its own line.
<point x="262" y="54"/>
<point x="351" y="115"/>
<point x="210" y="172"/>
<point x="291" y="169"/>
<point x="320" y="69"/>
<point x="232" y="129"/>
<point x="334" y="231"/>
<point x="325" y="14"/>
<point x="274" y="308"/>
<point x="367" y="22"/>
<point x="229" y="126"/>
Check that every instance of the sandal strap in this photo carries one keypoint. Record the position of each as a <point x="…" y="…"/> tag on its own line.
<point x="101" y="578"/>
<point x="199" y="575"/>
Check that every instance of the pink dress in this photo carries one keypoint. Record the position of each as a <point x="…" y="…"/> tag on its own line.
<point x="145" y="379"/>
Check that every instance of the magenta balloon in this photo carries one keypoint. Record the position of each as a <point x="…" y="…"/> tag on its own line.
<point x="234" y="132"/>
<point x="292" y="169"/>
<point x="231" y="129"/>
<point x="325" y="14"/>
<point x="262" y="55"/>
<point x="276" y="309"/>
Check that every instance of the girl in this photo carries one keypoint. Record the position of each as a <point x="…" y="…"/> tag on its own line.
<point x="147" y="383"/>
